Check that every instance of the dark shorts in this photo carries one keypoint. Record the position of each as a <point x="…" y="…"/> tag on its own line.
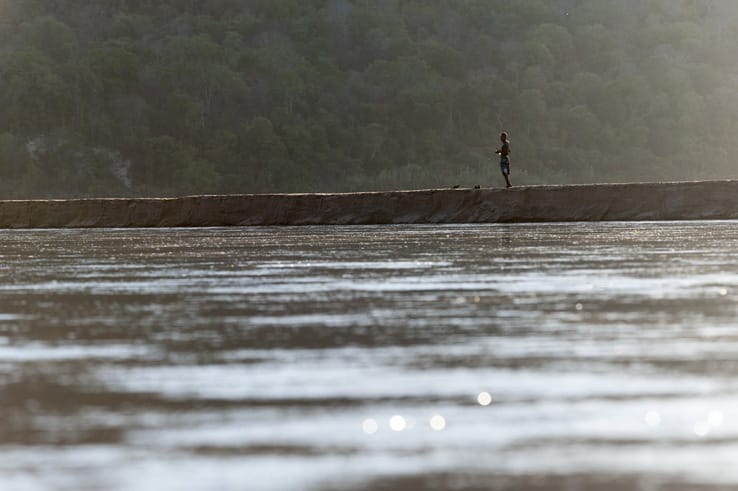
<point x="505" y="166"/>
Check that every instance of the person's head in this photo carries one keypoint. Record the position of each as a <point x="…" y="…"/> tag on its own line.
<point x="503" y="136"/>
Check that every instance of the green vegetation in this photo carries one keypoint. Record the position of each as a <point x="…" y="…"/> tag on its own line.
<point x="167" y="97"/>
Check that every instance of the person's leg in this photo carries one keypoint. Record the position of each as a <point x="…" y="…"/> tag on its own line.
<point x="505" y="166"/>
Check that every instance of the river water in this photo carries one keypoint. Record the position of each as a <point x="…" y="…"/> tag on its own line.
<point x="561" y="356"/>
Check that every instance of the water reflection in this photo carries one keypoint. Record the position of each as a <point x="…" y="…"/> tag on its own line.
<point x="438" y="422"/>
<point x="370" y="426"/>
<point x="484" y="399"/>
<point x="397" y="423"/>
<point x="508" y="357"/>
<point x="702" y="428"/>
<point x="715" y="419"/>
<point x="653" y="419"/>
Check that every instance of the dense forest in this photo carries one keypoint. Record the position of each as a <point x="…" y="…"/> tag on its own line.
<point x="171" y="97"/>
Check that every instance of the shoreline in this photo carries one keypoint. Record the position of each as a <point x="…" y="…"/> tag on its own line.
<point x="698" y="200"/>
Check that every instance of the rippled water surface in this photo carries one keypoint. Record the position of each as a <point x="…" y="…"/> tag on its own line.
<point x="575" y="356"/>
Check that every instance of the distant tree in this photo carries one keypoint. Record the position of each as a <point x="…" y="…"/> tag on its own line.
<point x="51" y="37"/>
<point x="167" y="97"/>
<point x="35" y="95"/>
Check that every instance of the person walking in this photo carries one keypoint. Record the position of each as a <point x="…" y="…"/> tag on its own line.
<point x="504" y="153"/>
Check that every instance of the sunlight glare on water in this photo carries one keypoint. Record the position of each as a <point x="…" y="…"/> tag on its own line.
<point x="438" y="422"/>
<point x="370" y="426"/>
<point x="557" y="356"/>
<point x="653" y="419"/>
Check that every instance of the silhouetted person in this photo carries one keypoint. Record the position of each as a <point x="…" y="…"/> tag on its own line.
<point x="504" y="153"/>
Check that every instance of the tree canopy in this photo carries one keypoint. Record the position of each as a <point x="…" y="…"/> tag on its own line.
<point x="168" y="97"/>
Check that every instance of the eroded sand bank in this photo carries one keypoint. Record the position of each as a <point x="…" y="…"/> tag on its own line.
<point x="597" y="202"/>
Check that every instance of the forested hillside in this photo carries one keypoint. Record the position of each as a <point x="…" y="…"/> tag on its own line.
<point x="168" y="97"/>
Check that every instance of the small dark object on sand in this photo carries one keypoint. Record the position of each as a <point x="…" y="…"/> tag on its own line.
<point x="477" y="187"/>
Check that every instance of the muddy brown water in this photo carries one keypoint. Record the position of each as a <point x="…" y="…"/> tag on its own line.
<point x="557" y="356"/>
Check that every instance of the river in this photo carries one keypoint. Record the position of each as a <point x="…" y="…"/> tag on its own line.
<point x="556" y="356"/>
